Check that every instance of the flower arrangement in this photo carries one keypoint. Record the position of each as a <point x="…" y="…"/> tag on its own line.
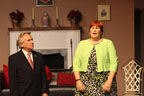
<point x="16" y="15"/>
<point x="75" y="15"/>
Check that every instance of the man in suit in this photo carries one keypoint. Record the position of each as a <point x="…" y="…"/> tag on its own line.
<point x="27" y="72"/>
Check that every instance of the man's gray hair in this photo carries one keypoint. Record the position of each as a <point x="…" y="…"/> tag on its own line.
<point x="20" y="39"/>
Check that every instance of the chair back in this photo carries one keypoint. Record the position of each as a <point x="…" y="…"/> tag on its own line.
<point x="133" y="78"/>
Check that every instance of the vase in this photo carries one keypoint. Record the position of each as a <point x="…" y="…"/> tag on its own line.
<point x="74" y="23"/>
<point x="16" y="23"/>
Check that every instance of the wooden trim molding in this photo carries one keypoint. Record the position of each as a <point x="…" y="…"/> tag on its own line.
<point x="43" y="28"/>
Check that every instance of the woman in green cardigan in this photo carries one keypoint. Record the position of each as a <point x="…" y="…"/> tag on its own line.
<point x="95" y="64"/>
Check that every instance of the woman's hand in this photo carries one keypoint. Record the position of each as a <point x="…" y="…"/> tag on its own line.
<point x="107" y="86"/>
<point x="80" y="86"/>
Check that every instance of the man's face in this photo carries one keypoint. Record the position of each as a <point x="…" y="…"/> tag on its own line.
<point x="28" y="43"/>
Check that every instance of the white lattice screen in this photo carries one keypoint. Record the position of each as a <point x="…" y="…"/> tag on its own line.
<point x="133" y="77"/>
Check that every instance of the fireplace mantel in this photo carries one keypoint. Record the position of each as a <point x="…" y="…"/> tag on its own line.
<point x="43" y="28"/>
<point x="50" y="38"/>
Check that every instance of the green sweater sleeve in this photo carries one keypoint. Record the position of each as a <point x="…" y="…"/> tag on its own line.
<point x="76" y="59"/>
<point x="112" y="57"/>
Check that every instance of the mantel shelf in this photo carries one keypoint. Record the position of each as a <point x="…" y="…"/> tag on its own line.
<point x="43" y="28"/>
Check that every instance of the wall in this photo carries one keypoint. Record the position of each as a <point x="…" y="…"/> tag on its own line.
<point x="120" y="28"/>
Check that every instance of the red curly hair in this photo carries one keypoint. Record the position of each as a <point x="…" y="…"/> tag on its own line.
<point x="97" y="23"/>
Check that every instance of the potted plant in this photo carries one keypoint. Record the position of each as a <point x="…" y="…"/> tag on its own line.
<point x="74" y="16"/>
<point x="16" y="18"/>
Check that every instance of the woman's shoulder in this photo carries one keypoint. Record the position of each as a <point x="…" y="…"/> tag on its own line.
<point x="105" y="40"/>
<point x="84" y="42"/>
<point x="108" y="42"/>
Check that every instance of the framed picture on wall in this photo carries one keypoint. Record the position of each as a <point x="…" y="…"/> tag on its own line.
<point x="41" y="3"/>
<point x="103" y="12"/>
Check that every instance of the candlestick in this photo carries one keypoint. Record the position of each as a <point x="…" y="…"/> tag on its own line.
<point x="33" y="23"/>
<point x="33" y="13"/>
<point x="56" y="12"/>
<point x="57" y="23"/>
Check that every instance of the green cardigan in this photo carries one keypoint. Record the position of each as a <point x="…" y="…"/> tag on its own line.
<point x="107" y="59"/>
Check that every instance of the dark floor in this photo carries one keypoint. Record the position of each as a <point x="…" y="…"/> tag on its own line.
<point x="52" y="93"/>
<point x="62" y="93"/>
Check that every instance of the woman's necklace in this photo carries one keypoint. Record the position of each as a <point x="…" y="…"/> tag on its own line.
<point x="95" y="41"/>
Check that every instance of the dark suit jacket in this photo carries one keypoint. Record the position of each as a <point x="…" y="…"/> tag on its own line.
<point x="23" y="80"/>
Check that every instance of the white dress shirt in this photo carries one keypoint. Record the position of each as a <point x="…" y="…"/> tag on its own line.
<point x="26" y="54"/>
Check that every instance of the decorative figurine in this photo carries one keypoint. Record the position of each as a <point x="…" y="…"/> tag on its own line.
<point x="45" y="20"/>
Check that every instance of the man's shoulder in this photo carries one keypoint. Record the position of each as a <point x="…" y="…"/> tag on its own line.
<point x="35" y="52"/>
<point x="15" y="55"/>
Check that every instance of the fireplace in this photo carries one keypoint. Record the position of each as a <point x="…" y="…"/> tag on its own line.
<point x="54" y="61"/>
<point x="56" y="43"/>
<point x="55" y="58"/>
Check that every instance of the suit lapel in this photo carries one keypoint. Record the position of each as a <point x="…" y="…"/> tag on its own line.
<point x="24" y="59"/>
<point x="34" y="59"/>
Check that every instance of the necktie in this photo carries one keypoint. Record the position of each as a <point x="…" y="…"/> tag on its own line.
<point x="30" y="61"/>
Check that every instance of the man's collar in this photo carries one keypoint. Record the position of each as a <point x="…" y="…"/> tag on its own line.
<point x="25" y="52"/>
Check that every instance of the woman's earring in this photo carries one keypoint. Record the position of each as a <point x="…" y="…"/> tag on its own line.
<point x="89" y="35"/>
<point x="101" y="35"/>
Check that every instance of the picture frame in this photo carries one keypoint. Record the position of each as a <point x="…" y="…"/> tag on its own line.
<point x="42" y="3"/>
<point x="103" y="12"/>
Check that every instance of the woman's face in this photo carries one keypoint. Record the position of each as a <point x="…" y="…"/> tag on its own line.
<point x="95" y="32"/>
